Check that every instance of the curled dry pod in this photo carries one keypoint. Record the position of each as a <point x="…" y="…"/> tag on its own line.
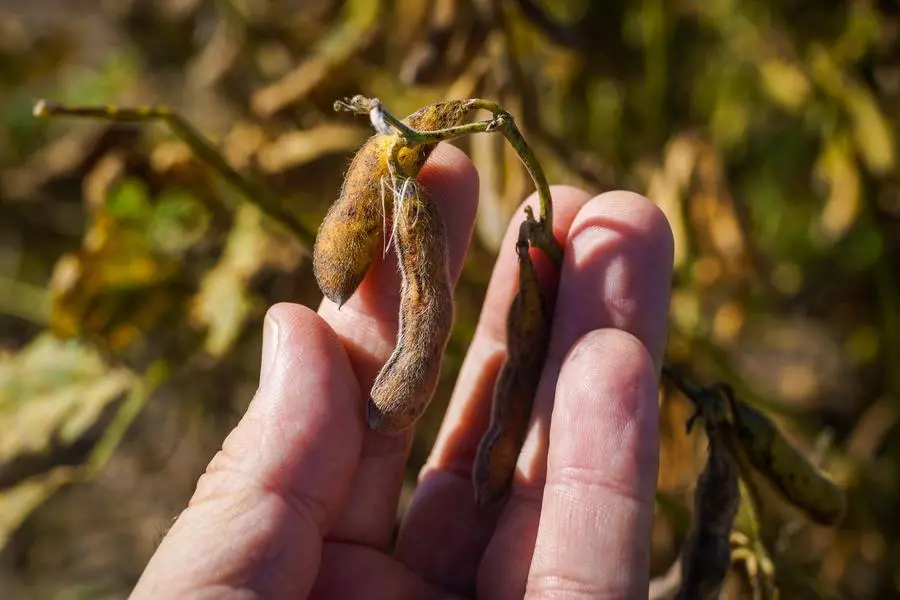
<point x="351" y="232"/>
<point x="527" y="336"/>
<point x="795" y="477"/>
<point x="706" y="555"/>
<point x="406" y="383"/>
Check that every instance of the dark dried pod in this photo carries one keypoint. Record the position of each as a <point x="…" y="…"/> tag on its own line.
<point x="527" y="337"/>
<point x="706" y="555"/>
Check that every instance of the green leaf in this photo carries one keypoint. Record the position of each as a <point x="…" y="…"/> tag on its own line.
<point x="129" y="200"/>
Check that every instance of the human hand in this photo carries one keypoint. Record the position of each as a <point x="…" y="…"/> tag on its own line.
<point x="301" y="500"/>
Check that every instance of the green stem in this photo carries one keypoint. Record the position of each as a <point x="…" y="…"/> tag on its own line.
<point x="143" y="388"/>
<point x="205" y="151"/>
<point x="514" y="136"/>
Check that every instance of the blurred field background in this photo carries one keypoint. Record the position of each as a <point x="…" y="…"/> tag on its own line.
<point x="766" y="131"/>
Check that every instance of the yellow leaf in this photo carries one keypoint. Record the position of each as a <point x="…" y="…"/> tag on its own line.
<point x="837" y="169"/>
<point x="785" y="83"/>
<point x="223" y="303"/>
<point x="16" y="503"/>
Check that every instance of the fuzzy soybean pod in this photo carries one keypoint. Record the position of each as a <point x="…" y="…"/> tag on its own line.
<point x="352" y="231"/>
<point x="527" y="335"/>
<point x="405" y="385"/>
<point x="792" y="474"/>
<point x="706" y="554"/>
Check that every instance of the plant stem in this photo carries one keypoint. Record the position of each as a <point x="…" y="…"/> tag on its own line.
<point x="205" y="151"/>
<point x="684" y="385"/>
<point x="540" y="236"/>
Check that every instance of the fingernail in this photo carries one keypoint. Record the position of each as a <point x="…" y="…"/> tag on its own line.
<point x="269" y="347"/>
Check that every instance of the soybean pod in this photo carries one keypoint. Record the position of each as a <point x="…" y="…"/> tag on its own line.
<point x="791" y="473"/>
<point x="405" y="385"/>
<point x="527" y="335"/>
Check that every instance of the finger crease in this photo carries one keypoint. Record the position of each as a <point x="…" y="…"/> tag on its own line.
<point x="592" y="481"/>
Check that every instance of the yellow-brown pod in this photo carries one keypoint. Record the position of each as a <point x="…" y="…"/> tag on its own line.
<point x="795" y="477"/>
<point x="351" y="232"/>
<point x="527" y="336"/>
<point x="405" y="385"/>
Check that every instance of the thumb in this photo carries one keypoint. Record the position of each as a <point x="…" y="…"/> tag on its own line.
<point x="255" y="524"/>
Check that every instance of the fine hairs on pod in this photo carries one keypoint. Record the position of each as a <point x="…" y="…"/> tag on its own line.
<point x="405" y="385"/>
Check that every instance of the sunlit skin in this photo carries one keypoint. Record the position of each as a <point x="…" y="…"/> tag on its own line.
<point x="301" y="501"/>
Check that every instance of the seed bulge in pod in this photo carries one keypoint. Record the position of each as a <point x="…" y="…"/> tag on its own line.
<point x="405" y="385"/>
<point x="783" y="465"/>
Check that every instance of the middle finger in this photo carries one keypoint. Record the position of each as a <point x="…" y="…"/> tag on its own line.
<point x="444" y="507"/>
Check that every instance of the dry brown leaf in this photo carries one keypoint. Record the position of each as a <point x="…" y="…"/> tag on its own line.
<point x="296" y="148"/>
<point x="334" y="50"/>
